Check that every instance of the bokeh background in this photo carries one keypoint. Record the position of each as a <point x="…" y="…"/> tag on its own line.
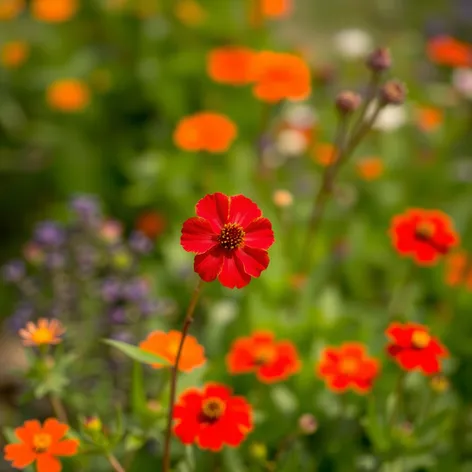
<point x="138" y="67"/>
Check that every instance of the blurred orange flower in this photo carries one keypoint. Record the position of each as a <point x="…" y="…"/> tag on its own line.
<point x="54" y="11"/>
<point x="271" y="360"/>
<point x="428" y="118"/>
<point x="205" y="131"/>
<point x="230" y="65"/>
<point x="448" y="51"/>
<point x="370" y="168"/>
<point x="14" y="54"/>
<point x="150" y="223"/>
<point x="459" y="269"/>
<point x="276" y="8"/>
<point x="348" y="366"/>
<point x="324" y="154"/>
<point x="44" y="333"/>
<point x="166" y="345"/>
<point x="278" y="76"/>
<point x="190" y="12"/>
<point x="68" y="95"/>
<point x="10" y="9"/>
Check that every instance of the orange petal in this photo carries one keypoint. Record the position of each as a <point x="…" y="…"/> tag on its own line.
<point x="20" y="454"/>
<point x="26" y="432"/>
<point x="67" y="447"/>
<point x="48" y="463"/>
<point x="55" y="429"/>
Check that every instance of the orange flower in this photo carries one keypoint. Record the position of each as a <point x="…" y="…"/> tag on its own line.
<point x="271" y="360"/>
<point x="41" y="444"/>
<point x="276" y="8"/>
<point x="54" y="11"/>
<point x="230" y="65"/>
<point x="370" y="168"/>
<point x="448" y="51"/>
<point x="205" y="131"/>
<point x="166" y="345"/>
<point x="44" y="333"/>
<point x="68" y="95"/>
<point x="324" y="154"/>
<point x="280" y="75"/>
<point x="429" y="119"/>
<point x="10" y="9"/>
<point x="151" y="224"/>
<point x="190" y="12"/>
<point x="14" y="53"/>
<point x="459" y="269"/>
<point x="348" y="366"/>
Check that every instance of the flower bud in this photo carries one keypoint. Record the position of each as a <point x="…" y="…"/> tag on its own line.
<point x="93" y="424"/>
<point x="258" y="451"/>
<point x="307" y="424"/>
<point x="379" y="60"/>
<point x="439" y="383"/>
<point x="348" y="102"/>
<point x="282" y="198"/>
<point x="393" y="93"/>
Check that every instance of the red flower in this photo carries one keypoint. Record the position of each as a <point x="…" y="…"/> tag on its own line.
<point x="414" y="348"/>
<point x="41" y="444"/>
<point x="448" y="51"/>
<point x="425" y="235"/>
<point x="212" y="418"/>
<point x="230" y="238"/>
<point x="271" y="360"/>
<point x="348" y="366"/>
<point x="459" y="270"/>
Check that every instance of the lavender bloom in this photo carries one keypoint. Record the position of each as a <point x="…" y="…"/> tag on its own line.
<point x="55" y="260"/>
<point x="136" y="290"/>
<point x="13" y="271"/>
<point x="140" y="243"/>
<point x="111" y="290"/>
<point x="123" y="336"/>
<point x="117" y="315"/>
<point x="149" y="307"/>
<point x="49" y="234"/>
<point x="23" y="313"/>
<point x="87" y="210"/>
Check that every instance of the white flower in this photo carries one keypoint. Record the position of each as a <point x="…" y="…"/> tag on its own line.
<point x="291" y="142"/>
<point x="301" y="116"/>
<point x="353" y="43"/>
<point x="390" y="118"/>
<point x="462" y="81"/>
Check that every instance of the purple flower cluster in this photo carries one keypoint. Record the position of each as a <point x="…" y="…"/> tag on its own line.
<point x="86" y="263"/>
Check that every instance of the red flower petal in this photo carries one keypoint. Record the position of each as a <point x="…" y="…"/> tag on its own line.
<point x="409" y="359"/>
<point x="198" y="235"/>
<point x="355" y="350"/>
<point x="212" y="437"/>
<point x="21" y="455"/>
<point x="259" y="234"/>
<point x="429" y="365"/>
<point x="215" y="209"/>
<point x="242" y="211"/>
<point x="26" y="432"/>
<point x="339" y="383"/>
<point x="254" y="261"/>
<point x="209" y="264"/>
<point x="217" y="390"/>
<point x="232" y="274"/>
<point x="68" y="447"/>
<point x="55" y="429"/>
<point x="48" y="463"/>
<point x="187" y="430"/>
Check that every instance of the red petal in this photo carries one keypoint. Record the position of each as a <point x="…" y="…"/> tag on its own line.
<point x="254" y="261"/>
<point x="259" y="234"/>
<point x="68" y="447"/>
<point x="232" y="273"/>
<point x="210" y="264"/>
<point x="211" y="437"/>
<point x="240" y="359"/>
<point x="20" y="454"/>
<point x="430" y="365"/>
<point x="409" y="359"/>
<point x="215" y="209"/>
<point x="187" y="431"/>
<point x="399" y="334"/>
<point x="197" y="235"/>
<point x="48" y="463"/>
<point x="26" y="432"/>
<point x="217" y="390"/>
<point x="339" y="383"/>
<point x="242" y="210"/>
<point x="353" y="349"/>
<point x="240" y="412"/>
<point x="55" y="429"/>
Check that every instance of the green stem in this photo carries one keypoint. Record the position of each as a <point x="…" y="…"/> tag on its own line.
<point x="399" y="391"/>
<point x="173" y="381"/>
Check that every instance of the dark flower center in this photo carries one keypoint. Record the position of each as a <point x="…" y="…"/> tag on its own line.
<point x="424" y="230"/>
<point x="265" y="355"/>
<point x="231" y="236"/>
<point x="212" y="409"/>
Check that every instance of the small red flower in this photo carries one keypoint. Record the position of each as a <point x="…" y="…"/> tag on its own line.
<point x="425" y="235"/>
<point x="271" y="360"/>
<point x="230" y="238"/>
<point x="348" y="367"/>
<point x="459" y="270"/>
<point x="414" y="348"/>
<point x="212" y="417"/>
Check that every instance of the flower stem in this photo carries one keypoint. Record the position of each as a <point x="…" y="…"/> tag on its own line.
<point x="396" y="410"/>
<point x="174" y="371"/>
<point x="117" y="467"/>
<point x="59" y="409"/>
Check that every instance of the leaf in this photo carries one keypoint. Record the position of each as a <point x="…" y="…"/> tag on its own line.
<point x="136" y="353"/>
<point x="138" y="395"/>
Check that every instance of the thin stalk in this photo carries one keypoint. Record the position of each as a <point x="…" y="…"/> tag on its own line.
<point x="117" y="467"/>
<point x="399" y="390"/>
<point x="58" y="408"/>
<point x="174" y="371"/>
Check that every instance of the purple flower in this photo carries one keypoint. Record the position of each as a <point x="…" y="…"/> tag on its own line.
<point x="55" y="260"/>
<point x="140" y="243"/>
<point x="49" y="234"/>
<point x="24" y="312"/>
<point x="136" y="290"/>
<point x="122" y="336"/>
<point x="87" y="210"/>
<point x="13" y="271"/>
<point x="117" y="315"/>
<point x="111" y="290"/>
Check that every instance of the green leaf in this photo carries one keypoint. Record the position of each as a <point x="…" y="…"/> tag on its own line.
<point x="138" y="395"/>
<point x="136" y="353"/>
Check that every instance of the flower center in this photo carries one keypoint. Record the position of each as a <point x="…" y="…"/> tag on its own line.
<point x="41" y="442"/>
<point x="265" y="355"/>
<point x="42" y="336"/>
<point x="420" y="339"/>
<point x="349" y="366"/>
<point x="425" y="230"/>
<point x="231" y="236"/>
<point x="213" y="408"/>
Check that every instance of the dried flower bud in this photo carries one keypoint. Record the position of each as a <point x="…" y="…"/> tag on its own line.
<point x="282" y="198"/>
<point x="348" y="102"/>
<point x="393" y="93"/>
<point x="439" y="383"/>
<point x="379" y="60"/>
<point x="307" y="424"/>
